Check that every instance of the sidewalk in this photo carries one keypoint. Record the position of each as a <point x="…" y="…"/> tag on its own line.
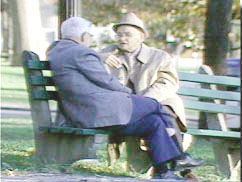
<point x="73" y="178"/>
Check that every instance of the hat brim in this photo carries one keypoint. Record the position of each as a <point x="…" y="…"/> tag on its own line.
<point x="115" y="27"/>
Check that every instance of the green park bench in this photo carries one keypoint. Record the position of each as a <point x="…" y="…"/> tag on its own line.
<point x="66" y="144"/>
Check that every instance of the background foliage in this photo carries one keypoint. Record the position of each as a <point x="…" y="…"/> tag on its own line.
<point x="184" y="19"/>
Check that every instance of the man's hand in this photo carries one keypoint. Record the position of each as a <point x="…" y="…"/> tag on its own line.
<point x="111" y="59"/>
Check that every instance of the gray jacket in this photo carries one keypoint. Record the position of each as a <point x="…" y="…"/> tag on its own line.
<point x="90" y="97"/>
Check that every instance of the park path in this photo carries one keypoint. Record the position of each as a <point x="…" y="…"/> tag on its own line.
<point x="73" y="178"/>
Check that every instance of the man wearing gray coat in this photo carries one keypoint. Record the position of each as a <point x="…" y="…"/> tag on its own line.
<point x="92" y="98"/>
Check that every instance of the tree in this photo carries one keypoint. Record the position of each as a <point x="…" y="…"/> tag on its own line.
<point x="218" y="25"/>
<point x="4" y="28"/>
<point x="67" y="9"/>
<point x="26" y="29"/>
<point x="184" y="19"/>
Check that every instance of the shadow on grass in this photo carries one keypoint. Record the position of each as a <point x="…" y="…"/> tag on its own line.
<point x="16" y="161"/>
<point x="6" y="124"/>
<point x="16" y="133"/>
<point x="11" y="73"/>
<point x="202" y="149"/>
<point x="101" y="168"/>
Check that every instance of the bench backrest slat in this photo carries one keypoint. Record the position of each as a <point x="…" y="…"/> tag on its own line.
<point x="37" y="65"/>
<point x="211" y="107"/>
<point x="44" y="95"/>
<point x="210" y="94"/>
<point x="41" y="81"/>
<point x="214" y="133"/>
<point x="210" y="79"/>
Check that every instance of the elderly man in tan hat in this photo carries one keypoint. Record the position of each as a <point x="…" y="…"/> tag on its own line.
<point x="148" y="72"/>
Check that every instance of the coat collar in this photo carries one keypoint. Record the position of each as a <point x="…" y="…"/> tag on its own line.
<point x="70" y="40"/>
<point x="144" y="54"/>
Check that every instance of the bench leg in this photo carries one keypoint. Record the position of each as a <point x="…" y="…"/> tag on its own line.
<point x="64" y="148"/>
<point x="138" y="160"/>
<point x="114" y="148"/>
<point x="226" y="156"/>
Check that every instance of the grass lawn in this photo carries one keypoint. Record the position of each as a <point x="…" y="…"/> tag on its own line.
<point x="13" y="89"/>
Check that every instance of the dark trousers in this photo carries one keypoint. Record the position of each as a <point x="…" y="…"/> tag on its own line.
<point x="173" y="118"/>
<point x="149" y="122"/>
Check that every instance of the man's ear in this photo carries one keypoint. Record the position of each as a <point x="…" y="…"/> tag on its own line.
<point x="84" y="37"/>
<point x="142" y="36"/>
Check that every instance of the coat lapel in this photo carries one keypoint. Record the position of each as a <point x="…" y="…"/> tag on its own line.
<point x="142" y="75"/>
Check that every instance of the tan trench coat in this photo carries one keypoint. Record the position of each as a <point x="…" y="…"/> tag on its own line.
<point x="157" y="78"/>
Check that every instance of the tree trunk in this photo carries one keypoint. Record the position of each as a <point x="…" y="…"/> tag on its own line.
<point x="67" y="9"/>
<point x="27" y="29"/>
<point x="4" y="29"/>
<point x="217" y="27"/>
<point x="16" y="44"/>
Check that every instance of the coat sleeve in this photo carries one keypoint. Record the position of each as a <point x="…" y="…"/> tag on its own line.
<point x="166" y="83"/>
<point x="92" y="67"/>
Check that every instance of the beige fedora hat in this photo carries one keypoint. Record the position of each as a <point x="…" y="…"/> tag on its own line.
<point x="132" y="20"/>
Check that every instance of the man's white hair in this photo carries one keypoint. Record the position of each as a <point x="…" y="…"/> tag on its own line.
<point x="74" y="27"/>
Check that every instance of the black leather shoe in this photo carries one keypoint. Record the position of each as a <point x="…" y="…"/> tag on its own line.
<point x="171" y="176"/>
<point x="187" y="163"/>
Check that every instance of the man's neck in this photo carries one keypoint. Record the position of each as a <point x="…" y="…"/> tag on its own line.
<point x="77" y="41"/>
<point x="135" y="52"/>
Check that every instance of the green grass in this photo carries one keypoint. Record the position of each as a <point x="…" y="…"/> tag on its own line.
<point x="16" y="140"/>
<point x="13" y="87"/>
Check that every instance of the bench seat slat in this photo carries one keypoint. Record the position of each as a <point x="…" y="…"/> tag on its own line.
<point x="214" y="133"/>
<point x="210" y="79"/>
<point x="208" y="93"/>
<point x="76" y="131"/>
<point x="211" y="107"/>
<point x="37" y="65"/>
<point x="191" y="131"/>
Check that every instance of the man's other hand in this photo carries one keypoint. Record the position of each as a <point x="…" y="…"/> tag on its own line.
<point x="111" y="59"/>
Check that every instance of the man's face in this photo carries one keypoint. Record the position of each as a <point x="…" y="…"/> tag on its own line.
<point x="129" y="38"/>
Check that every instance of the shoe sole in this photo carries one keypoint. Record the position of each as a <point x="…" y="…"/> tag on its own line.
<point x="188" y="167"/>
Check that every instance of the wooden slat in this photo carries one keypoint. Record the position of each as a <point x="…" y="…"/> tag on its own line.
<point x="208" y="93"/>
<point x="211" y="107"/>
<point x="196" y="132"/>
<point x="76" y="131"/>
<point x="37" y="65"/>
<point x="44" y="95"/>
<point x="214" y="133"/>
<point x="41" y="81"/>
<point x="210" y="79"/>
